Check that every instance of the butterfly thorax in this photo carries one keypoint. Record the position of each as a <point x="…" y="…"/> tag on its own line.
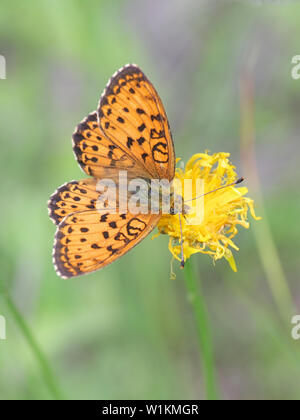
<point x="162" y="199"/>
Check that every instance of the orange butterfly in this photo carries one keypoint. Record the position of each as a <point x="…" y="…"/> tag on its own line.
<point x="129" y="132"/>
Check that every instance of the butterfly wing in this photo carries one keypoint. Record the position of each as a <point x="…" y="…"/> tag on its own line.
<point x="132" y="116"/>
<point x="87" y="241"/>
<point x="88" y="236"/>
<point x="72" y="197"/>
<point x="99" y="156"/>
<point x="130" y="131"/>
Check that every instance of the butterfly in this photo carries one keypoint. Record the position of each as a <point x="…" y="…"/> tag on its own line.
<point x="128" y="132"/>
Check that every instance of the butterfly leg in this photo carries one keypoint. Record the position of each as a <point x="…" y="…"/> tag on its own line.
<point x="181" y="243"/>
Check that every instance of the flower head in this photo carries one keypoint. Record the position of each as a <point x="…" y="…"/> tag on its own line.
<point x="223" y="210"/>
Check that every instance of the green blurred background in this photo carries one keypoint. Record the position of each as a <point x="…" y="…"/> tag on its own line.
<point x="127" y="332"/>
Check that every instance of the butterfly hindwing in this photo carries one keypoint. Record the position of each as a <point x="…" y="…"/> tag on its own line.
<point x="72" y="197"/>
<point x="131" y="114"/>
<point x="87" y="241"/>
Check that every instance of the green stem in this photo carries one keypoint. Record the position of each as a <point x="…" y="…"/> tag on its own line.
<point x="47" y="373"/>
<point x="264" y="239"/>
<point x="204" y="334"/>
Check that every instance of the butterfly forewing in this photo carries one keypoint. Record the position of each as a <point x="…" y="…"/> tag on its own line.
<point x="131" y="114"/>
<point x="98" y="155"/>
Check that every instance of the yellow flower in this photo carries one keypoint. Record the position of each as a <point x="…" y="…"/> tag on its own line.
<point x="212" y="231"/>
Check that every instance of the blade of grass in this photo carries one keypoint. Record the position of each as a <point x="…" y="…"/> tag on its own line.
<point x="198" y="305"/>
<point x="263" y="236"/>
<point x="264" y="317"/>
<point x="40" y="357"/>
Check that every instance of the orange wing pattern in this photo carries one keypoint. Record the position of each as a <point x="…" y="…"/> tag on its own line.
<point x="88" y="240"/>
<point x="132" y="115"/>
<point x="72" y="197"/>
<point x="130" y="131"/>
<point x="99" y="156"/>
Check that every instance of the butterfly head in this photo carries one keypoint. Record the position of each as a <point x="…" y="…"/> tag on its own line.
<point x="178" y="206"/>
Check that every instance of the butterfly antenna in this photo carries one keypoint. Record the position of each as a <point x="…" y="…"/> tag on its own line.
<point x="238" y="181"/>
<point x="181" y="243"/>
